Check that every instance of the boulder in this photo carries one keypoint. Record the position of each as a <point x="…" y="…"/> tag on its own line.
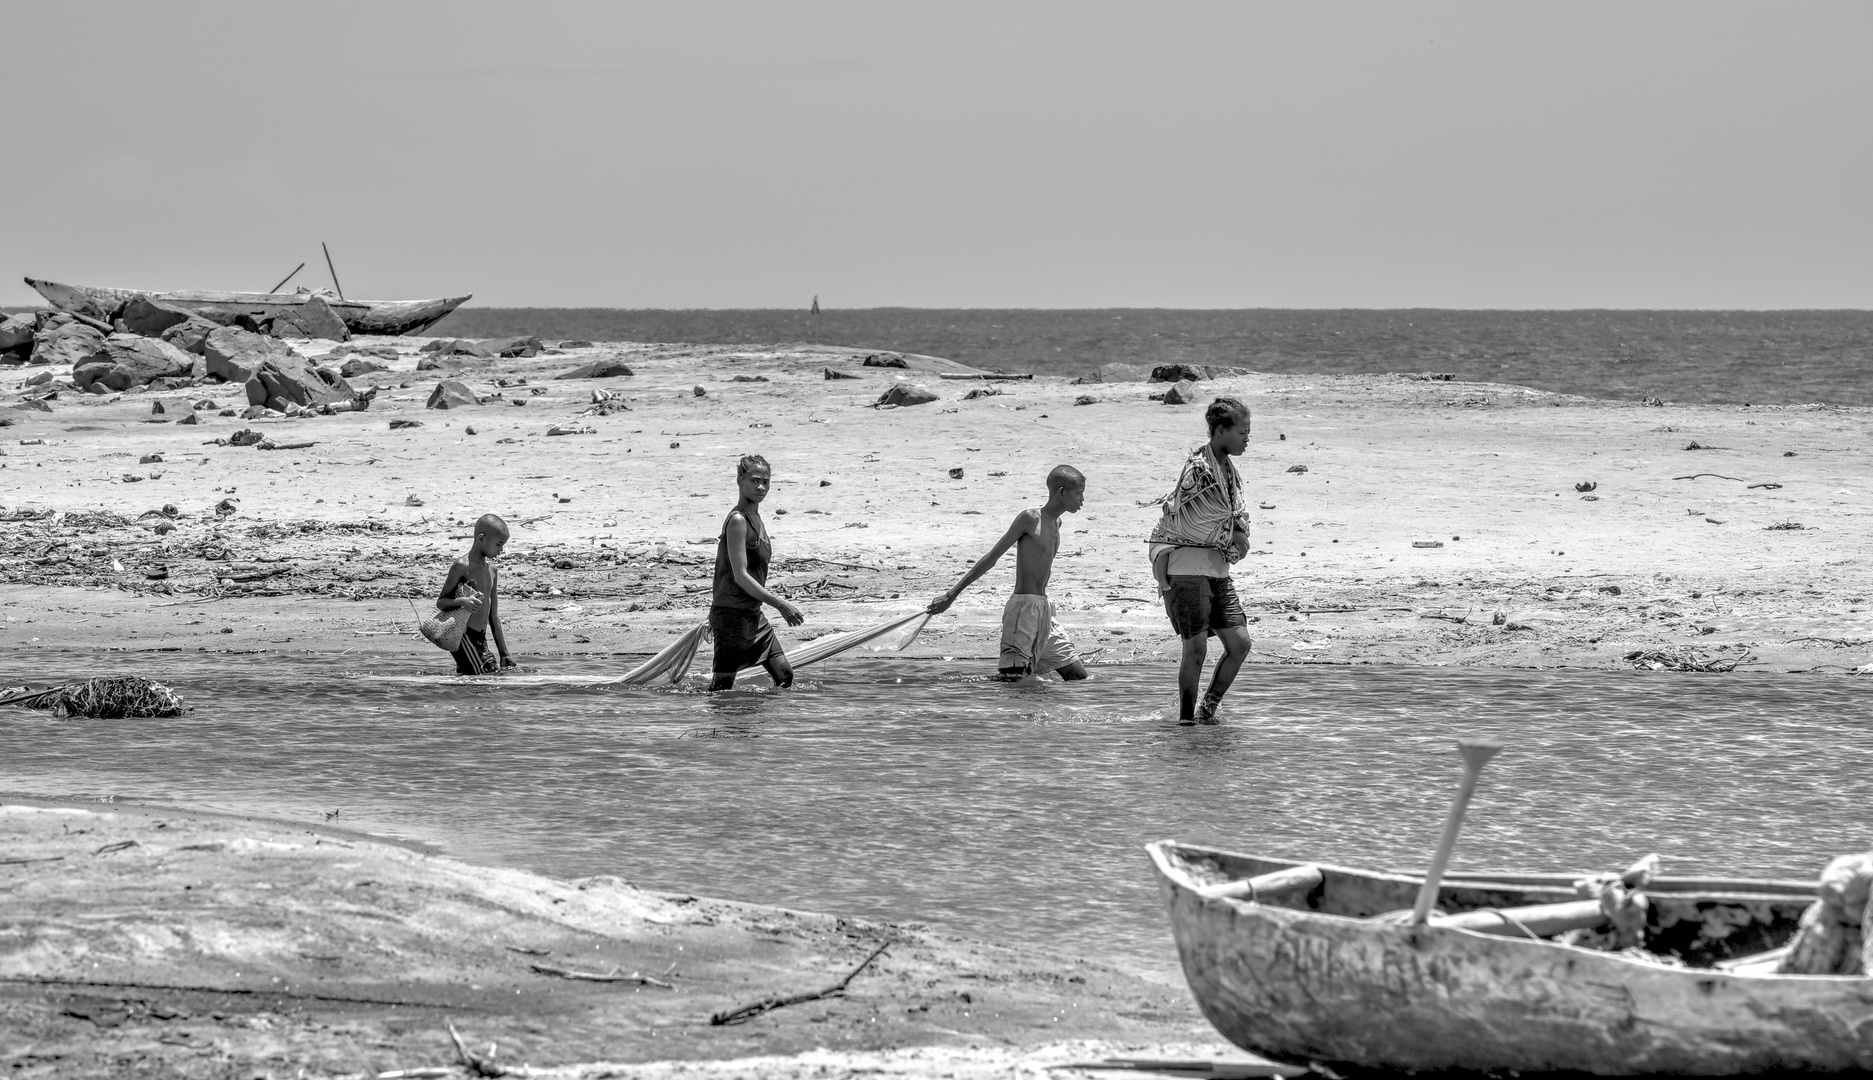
<point x="1184" y="393"/>
<point x="124" y="361"/>
<point x="905" y="394"/>
<point x="512" y="346"/>
<point x="233" y="354"/>
<point x="451" y="394"/>
<point x="456" y="347"/>
<point x="190" y="335"/>
<point x="68" y="343"/>
<point x="150" y="317"/>
<point x="312" y="319"/>
<point x="16" y="333"/>
<point x="293" y="380"/>
<point x="1117" y="373"/>
<point x="598" y="369"/>
<point x="357" y="366"/>
<point x="1176" y="373"/>
<point x="430" y="363"/>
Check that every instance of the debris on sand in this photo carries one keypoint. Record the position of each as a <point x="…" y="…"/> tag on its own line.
<point x="1684" y="658"/>
<point x="109" y="697"/>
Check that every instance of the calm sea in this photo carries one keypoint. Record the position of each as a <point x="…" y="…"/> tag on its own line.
<point x="917" y="790"/>
<point x="1734" y="357"/>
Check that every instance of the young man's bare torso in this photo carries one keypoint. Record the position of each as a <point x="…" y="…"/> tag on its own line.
<point x="1032" y="641"/>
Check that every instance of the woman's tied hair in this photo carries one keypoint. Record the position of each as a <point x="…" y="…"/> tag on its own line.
<point x="749" y="461"/>
<point x="1225" y="412"/>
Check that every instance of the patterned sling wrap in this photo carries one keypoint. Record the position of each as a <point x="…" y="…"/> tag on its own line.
<point x="1204" y="507"/>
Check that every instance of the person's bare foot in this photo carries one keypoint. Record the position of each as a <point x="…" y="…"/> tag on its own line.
<point x="1206" y="710"/>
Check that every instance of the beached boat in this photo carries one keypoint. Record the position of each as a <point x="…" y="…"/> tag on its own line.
<point x="1307" y="974"/>
<point x="360" y="316"/>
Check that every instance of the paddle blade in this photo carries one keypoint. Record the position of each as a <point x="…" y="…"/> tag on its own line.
<point x="1477" y="752"/>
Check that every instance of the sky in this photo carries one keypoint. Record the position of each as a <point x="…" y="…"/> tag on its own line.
<point x="956" y="154"/>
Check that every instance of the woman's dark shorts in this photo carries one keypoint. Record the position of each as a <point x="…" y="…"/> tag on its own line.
<point x="1200" y="606"/>
<point x="743" y="639"/>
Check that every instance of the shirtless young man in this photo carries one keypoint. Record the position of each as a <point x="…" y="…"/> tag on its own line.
<point x="1032" y="642"/>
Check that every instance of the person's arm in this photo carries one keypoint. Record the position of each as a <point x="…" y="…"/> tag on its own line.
<point x="737" y="533"/>
<point x="1021" y="526"/>
<point x="447" y="601"/>
<point x="494" y="619"/>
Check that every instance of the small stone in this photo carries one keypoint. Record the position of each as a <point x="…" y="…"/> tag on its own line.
<point x="469" y="430"/>
<point x="1184" y="393"/>
<point x="412" y="501"/>
<point x="451" y="394"/>
<point x="189" y="419"/>
<point x="904" y="395"/>
<point x="700" y="392"/>
<point x="956" y="474"/>
<point x="598" y="369"/>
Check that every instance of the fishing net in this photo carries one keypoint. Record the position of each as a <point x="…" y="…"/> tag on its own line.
<point x="109" y="697"/>
<point x="670" y="665"/>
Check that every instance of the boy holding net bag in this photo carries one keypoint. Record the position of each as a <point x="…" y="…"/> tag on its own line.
<point x="467" y="609"/>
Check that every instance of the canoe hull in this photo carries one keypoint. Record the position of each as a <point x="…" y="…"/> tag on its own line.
<point x="1359" y="995"/>
<point x="390" y="317"/>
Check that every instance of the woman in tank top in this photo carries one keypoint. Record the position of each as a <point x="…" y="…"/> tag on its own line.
<point x="743" y="636"/>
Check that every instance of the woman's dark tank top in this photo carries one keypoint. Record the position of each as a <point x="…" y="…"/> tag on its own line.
<point x="760" y="552"/>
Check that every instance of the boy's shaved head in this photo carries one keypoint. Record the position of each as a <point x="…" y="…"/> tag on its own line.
<point x="491" y="524"/>
<point x="1065" y="476"/>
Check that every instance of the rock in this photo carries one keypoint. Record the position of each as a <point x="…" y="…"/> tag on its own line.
<point x="1176" y="373"/>
<point x="906" y="394"/>
<point x="451" y="394"/>
<point x="124" y="361"/>
<point x="294" y="380"/>
<point x="833" y="373"/>
<point x="40" y="379"/>
<point x="357" y="366"/>
<point x="174" y="382"/>
<point x="35" y="405"/>
<point x="156" y="408"/>
<point x="699" y="391"/>
<point x="456" y="347"/>
<point x="150" y="317"/>
<point x="1184" y="393"/>
<point x="575" y="344"/>
<point x="751" y="378"/>
<point x="1086" y="399"/>
<point x="191" y="335"/>
<point x="891" y="360"/>
<point x="598" y="369"/>
<point x="233" y="354"/>
<point x="1117" y="373"/>
<point x="313" y="319"/>
<point x="16" y="332"/>
<point x="430" y="363"/>
<point x="511" y="346"/>
<point x="67" y="344"/>
<point x="254" y="412"/>
<point x="188" y="418"/>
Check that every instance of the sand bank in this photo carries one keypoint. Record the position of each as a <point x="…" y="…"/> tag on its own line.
<point x="321" y="546"/>
<point x="153" y="941"/>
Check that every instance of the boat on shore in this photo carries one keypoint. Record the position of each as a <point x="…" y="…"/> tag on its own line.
<point x="1299" y="969"/>
<point x="390" y="317"/>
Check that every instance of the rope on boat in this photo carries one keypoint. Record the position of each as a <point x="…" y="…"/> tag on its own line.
<point x="107" y="697"/>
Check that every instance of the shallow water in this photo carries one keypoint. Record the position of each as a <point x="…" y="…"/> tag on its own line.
<point x="918" y="790"/>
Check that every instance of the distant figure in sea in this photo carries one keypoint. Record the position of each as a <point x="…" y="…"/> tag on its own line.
<point x="1032" y="641"/>
<point x="815" y="310"/>
<point x="743" y="636"/>
<point x="1204" y="529"/>
<point x="477" y="572"/>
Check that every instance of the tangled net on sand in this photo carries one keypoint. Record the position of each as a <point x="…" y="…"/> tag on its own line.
<point x="1683" y="658"/>
<point x="108" y="697"/>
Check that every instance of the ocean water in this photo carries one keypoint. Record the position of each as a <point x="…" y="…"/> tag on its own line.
<point x="921" y="791"/>
<point x="1723" y="357"/>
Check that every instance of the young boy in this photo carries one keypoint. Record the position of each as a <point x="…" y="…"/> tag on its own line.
<point x="473" y="658"/>
<point x="1205" y="528"/>
<point x="1032" y="642"/>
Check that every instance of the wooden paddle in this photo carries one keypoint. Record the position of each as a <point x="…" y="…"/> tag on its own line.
<point x="1476" y="753"/>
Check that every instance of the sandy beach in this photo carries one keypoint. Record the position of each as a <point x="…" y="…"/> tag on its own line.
<point x="1401" y="519"/>
<point x="323" y="547"/>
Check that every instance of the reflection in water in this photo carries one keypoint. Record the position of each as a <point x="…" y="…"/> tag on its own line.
<point x="921" y="790"/>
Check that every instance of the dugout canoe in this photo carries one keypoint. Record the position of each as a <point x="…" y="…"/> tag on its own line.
<point x="360" y="316"/>
<point x="1307" y="976"/>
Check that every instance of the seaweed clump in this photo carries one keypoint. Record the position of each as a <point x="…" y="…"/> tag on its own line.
<point x="108" y="697"/>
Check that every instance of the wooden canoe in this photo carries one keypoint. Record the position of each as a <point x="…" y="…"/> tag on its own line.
<point x="1309" y="976"/>
<point x="360" y="316"/>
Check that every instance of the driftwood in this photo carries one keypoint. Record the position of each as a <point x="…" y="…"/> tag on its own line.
<point x="1719" y="476"/>
<point x="749" y="1012"/>
<point x="596" y="976"/>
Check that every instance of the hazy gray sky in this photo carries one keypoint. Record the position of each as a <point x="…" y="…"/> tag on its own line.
<point x="962" y="154"/>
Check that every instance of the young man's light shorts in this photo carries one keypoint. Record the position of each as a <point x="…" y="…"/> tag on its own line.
<point x="1032" y="640"/>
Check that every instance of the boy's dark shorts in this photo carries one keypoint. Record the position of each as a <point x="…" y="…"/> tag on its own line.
<point x="472" y="656"/>
<point x="743" y="639"/>
<point x="1199" y="606"/>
